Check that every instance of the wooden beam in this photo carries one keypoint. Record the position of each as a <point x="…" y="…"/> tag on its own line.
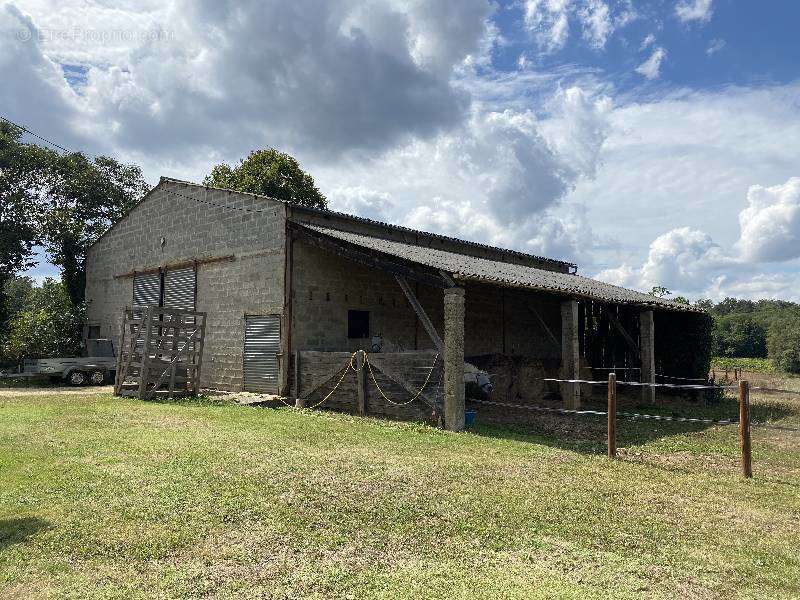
<point x="421" y="314"/>
<point x="361" y="382"/>
<point x="177" y="265"/>
<point x="550" y="335"/>
<point x="627" y="336"/>
<point x="364" y="256"/>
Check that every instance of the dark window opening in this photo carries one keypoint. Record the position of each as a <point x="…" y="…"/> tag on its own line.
<point x="357" y="324"/>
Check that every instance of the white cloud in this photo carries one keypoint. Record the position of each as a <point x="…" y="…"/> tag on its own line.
<point x="770" y="224"/>
<point x="596" y="19"/>
<point x="496" y="179"/>
<point x="549" y="20"/>
<point x="682" y="259"/>
<point x="647" y="41"/>
<point x="651" y="68"/>
<point x="694" y="10"/>
<point x="715" y="46"/>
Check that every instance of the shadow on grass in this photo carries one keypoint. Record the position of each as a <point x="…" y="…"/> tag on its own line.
<point x="586" y="433"/>
<point x="14" y="531"/>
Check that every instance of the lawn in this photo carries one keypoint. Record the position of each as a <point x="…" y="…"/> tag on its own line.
<point x="117" y="498"/>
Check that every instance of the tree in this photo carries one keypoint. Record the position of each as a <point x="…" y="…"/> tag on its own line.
<point x="19" y="166"/>
<point x="48" y="326"/>
<point x="739" y="335"/>
<point x="83" y="198"/>
<point x="269" y="173"/>
<point x="783" y="343"/>
<point x="659" y="291"/>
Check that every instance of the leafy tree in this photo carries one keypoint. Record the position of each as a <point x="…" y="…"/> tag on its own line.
<point x="83" y="198"/>
<point x="269" y="173"/>
<point x="19" y="165"/>
<point x="784" y="343"/>
<point x="659" y="291"/>
<point x="739" y="335"/>
<point x="48" y="326"/>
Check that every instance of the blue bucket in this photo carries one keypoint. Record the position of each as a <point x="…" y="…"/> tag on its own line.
<point x="469" y="417"/>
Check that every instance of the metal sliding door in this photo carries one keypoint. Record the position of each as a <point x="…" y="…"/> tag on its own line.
<point x="262" y="342"/>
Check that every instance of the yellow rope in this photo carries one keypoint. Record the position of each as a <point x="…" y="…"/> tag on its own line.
<point x="347" y="367"/>
<point x="350" y="366"/>
<point x="389" y="400"/>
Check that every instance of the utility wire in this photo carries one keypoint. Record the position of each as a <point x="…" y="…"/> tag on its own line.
<point x="36" y="135"/>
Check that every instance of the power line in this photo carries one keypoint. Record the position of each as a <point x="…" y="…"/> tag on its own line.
<point x="36" y="135"/>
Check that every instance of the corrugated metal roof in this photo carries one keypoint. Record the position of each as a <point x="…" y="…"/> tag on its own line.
<point x="470" y="268"/>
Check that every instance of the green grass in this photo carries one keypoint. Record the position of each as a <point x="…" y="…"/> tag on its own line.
<point x="117" y="498"/>
<point x="760" y="365"/>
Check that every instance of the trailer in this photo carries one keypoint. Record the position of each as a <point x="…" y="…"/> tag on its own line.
<point x="97" y="368"/>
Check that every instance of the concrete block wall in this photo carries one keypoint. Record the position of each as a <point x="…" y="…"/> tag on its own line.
<point x="325" y="286"/>
<point x="195" y="225"/>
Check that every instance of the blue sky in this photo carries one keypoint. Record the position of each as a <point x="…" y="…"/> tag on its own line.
<point x="653" y="143"/>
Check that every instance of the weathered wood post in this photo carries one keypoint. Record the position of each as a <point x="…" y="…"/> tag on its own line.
<point x="744" y="429"/>
<point x="361" y="378"/>
<point x="144" y="369"/>
<point x="454" y="359"/>
<point x="612" y="415"/>
<point x="570" y="355"/>
<point x="299" y="402"/>
<point x="647" y="352"/>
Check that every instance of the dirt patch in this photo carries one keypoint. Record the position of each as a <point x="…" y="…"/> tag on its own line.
<point x="56" y="391"/>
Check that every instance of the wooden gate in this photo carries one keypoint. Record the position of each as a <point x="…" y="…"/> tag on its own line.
<point x="160" y="352"/>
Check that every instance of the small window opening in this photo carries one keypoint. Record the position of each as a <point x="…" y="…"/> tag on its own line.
<point x="357" y="324"/>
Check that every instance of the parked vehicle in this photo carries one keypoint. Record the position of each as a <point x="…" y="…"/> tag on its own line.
<point x="96" y="368"/>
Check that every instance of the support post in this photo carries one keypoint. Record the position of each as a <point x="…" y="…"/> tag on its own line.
<point x="647" y="354"/>
<point x="612" y="415"/>
<point x="361" y="377"/>
<point x="299" y="401"/>
<point x="570" y="355"/>
<point x="454" y="359"/>
<point x="744" y="429"/>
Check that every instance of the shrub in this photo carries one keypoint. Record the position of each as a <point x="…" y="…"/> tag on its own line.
<point x="48" y="326"/>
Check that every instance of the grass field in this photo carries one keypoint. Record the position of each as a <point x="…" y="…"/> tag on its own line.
<point x="116" y="498"/>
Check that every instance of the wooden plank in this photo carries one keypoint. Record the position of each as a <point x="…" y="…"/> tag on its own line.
<point x="549" y="333"/>
<point x="148" y="323"/>
<point x="626" y="336"/>
<point x="421" y="314"/>
<point x="361" y="379"/>
<point x="177" y="265"/>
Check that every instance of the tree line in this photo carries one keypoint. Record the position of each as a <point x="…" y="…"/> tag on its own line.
<point x="756" y="329"/>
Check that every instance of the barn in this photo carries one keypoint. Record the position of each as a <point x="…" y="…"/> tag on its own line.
<point x="290" y="293"/>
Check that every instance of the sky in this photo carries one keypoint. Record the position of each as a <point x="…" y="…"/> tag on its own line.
<point x="653" y="143"/>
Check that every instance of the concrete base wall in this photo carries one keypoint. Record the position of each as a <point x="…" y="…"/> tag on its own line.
<point x="213" y="225"/>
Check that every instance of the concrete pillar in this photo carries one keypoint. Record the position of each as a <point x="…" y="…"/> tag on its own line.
<point x="647" y="354"/>
<point x="570" y="355"/>
<point x="454" y="359"/>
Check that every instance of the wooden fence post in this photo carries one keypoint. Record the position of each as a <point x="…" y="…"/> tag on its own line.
<point x="744" y="429"/>
<point x="361" y="377"/>
<point x="299" y="402"/>
<point x="612" y="415"/>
